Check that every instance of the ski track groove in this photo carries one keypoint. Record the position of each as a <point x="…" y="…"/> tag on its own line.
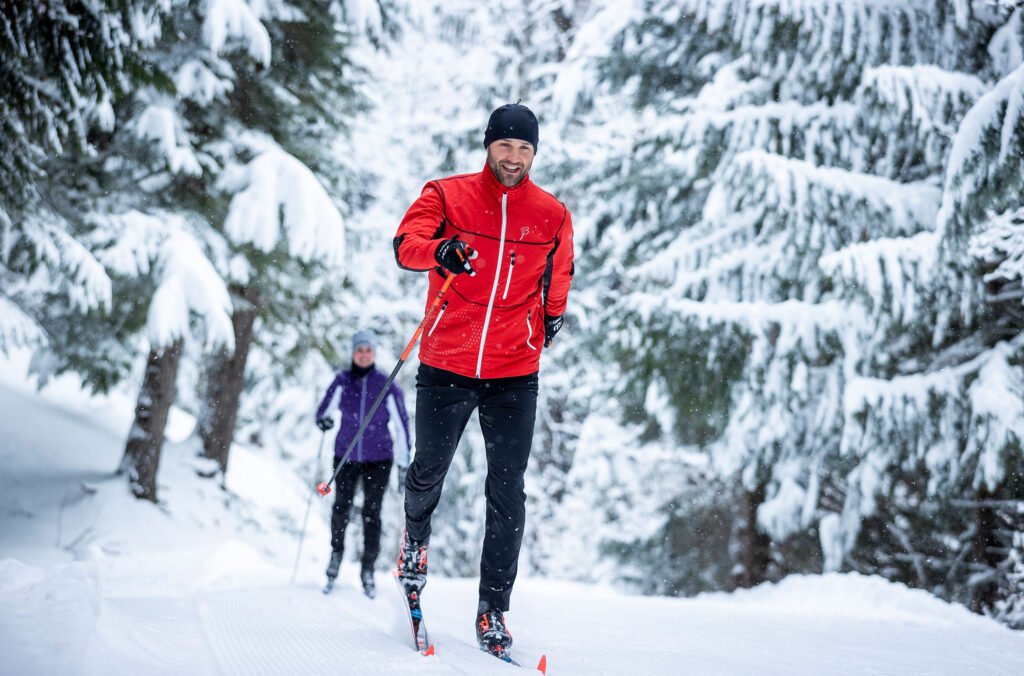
<point x="271" y="632"/>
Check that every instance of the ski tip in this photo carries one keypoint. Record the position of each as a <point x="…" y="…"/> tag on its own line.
<point x="430" y="650"/>
<point x="542" y="666"/>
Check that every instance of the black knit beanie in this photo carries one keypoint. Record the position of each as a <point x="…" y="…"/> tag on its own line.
<point x="512" y="120"/>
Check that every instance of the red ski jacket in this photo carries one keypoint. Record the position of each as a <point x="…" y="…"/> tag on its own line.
<point x="490" y="325"/>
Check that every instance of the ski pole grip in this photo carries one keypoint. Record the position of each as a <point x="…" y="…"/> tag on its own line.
<point x="323" y="488"/>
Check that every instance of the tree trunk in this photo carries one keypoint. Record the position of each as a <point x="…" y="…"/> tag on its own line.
<point x="146" y="438"/>
<point x="984" y="544"/>
<point x="225" y="379"/>
<point x="754" y="545"/>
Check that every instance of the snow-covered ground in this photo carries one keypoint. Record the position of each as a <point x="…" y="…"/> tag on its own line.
<point x="93" y="581"/>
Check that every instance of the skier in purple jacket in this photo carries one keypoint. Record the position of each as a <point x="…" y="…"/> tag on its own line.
<point x="357" y="388"/>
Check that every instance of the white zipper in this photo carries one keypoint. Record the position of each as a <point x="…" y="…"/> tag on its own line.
<point x="444" y="306"/>
<point x="529" y="328"/>
<point x="494" y="288"/>
<point x="508" y="280"/>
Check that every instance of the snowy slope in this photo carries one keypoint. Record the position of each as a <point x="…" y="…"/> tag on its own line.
<point x="94" y="582"/>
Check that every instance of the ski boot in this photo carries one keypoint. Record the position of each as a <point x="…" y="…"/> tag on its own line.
<point x="369" y="585"/>
<point x="332" y="571"/>
<point x="491" y="632"/>
<point x="411" y="569"/>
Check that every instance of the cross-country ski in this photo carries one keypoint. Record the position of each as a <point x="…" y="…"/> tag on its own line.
<point x="414" y="613"/>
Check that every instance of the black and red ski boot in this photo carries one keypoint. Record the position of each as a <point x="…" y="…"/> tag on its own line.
<point x="492" y="634"/>
<point x="411" y="575"/>
<point x="411" y="569"/>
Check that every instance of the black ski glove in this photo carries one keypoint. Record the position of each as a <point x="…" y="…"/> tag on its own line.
<point x="551" y="326"/>
<point x="325" y="423"/>
<point x="454" y="256"/>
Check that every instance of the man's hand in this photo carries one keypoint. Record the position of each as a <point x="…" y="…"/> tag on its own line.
<point x="325" y="423"/>
<point x="551" y="326"/>
<point x="454" y="256"/>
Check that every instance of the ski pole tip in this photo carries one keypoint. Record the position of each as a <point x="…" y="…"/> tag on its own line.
<point x="323" y="489"/>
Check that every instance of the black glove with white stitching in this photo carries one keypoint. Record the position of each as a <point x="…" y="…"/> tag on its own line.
<point x="551" y="327"/>
<point x="454" y="256"/>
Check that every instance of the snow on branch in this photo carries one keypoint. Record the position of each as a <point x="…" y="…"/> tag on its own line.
<point x="159" y="122"/>
<point x="17" y="329"/>
<point x="133" y="241"/>
<point x="818" y="133"/>
<point x="828" y="33"/>
<point x="732" y="85"/>
<point x="996" y="399"/>
<point x="920" y="415"/>
<point x="906" y="110"/>
<point x="888" y="272"/>
<point x="985" y="169"/>
<point x="1000" y="244"/>
<point x="227" y="19"/>
<point x="578" y="75"/>
<point x="792" y="325"/>
<point x="78" y="272"/>
<point x="188" y="284"/>
<point x="1006" y="48"/>
<point x="800" y="195"/>
<point x="195" y="81"/>
<point x="362" y="16"/>
<point x="768" y="220"/>
<point x="931" y="97"/>
<point x="277" y="197"/>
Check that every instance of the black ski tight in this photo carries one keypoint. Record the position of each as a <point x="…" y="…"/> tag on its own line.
<point x="507" y="408"/>
<point x="374" y="477"/>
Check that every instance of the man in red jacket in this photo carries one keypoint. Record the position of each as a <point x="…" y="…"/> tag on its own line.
<point x="510" y="243"/>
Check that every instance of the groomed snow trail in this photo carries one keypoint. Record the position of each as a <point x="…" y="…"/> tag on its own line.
<point x="268" y="632"/>
<point x="281" y="631"/>
<point x="96" y="583"/>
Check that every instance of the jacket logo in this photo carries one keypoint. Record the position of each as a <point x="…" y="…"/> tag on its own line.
<point x="524" y="231"/>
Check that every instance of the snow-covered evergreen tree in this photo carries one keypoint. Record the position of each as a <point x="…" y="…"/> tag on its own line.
<point x="191" y="162"/>
<point x="65" y="66"/>
<point x="775" y="145"/>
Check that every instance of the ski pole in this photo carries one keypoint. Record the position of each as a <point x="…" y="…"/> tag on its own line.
<point x="325" y="487"/>
<point x="309" y="503"/>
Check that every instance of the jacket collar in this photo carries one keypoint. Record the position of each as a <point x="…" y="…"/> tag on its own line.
<point x="496" y="189"/>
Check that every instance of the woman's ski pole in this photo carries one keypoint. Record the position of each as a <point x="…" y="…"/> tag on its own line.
<point x="325" y="487"/>
<point x="309" y="503"/>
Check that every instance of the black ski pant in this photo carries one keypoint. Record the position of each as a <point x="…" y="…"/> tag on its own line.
<point x="507" y="408"/>
<point x="374" y="477"/>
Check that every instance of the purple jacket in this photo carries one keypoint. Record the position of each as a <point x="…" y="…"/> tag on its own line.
<point x="357" y="396"/>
